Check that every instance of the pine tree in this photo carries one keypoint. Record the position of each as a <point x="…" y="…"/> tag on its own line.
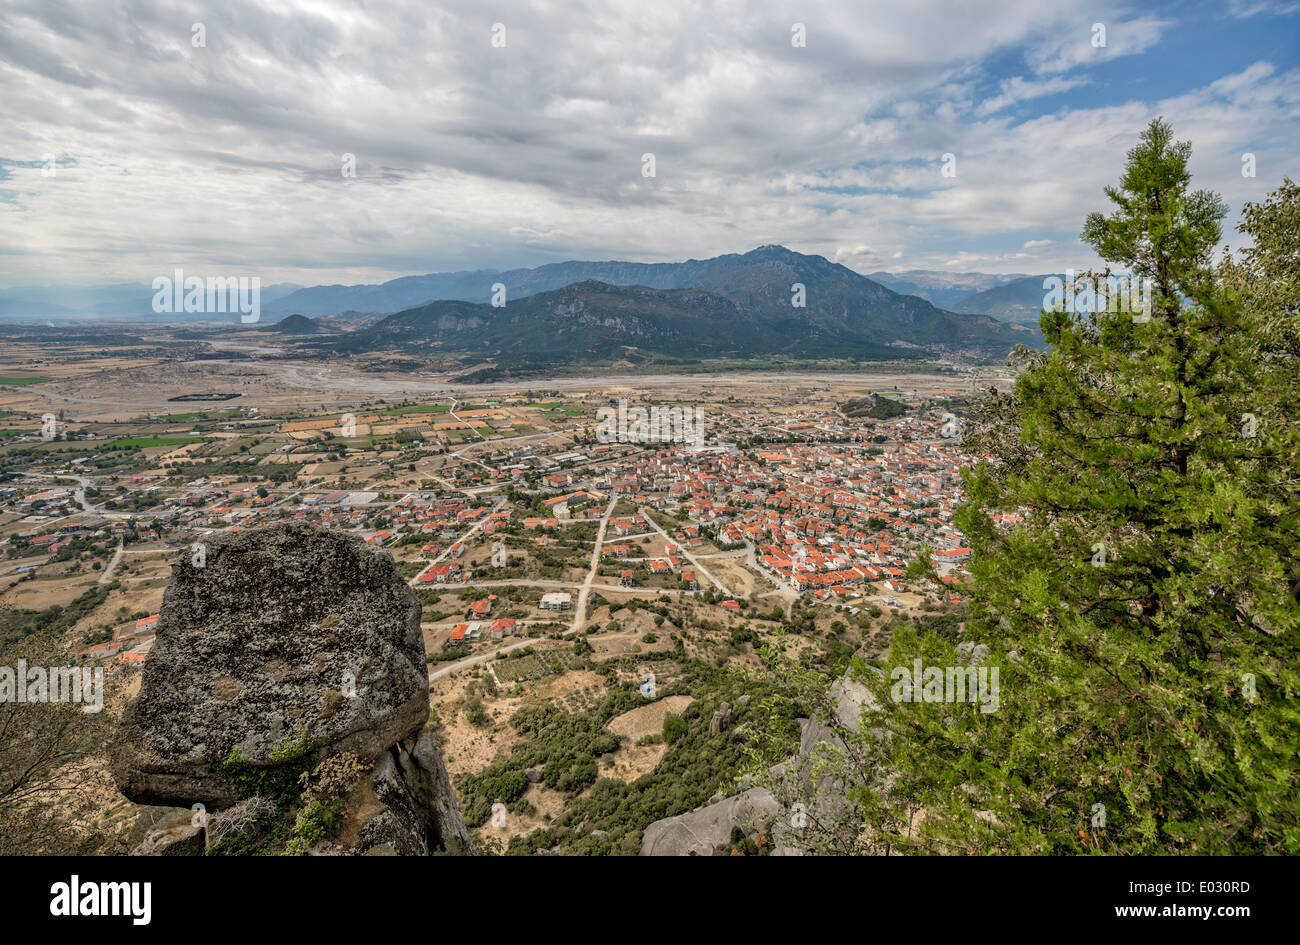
<point x="1143" y="614"/>
<point x="1150" y="594"/>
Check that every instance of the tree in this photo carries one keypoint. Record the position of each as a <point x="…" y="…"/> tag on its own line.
<point x="1143" y="617"/>
<point x="1140" y="635"/>
<point x="51" y="764"/>
<point x="674" y="728"/>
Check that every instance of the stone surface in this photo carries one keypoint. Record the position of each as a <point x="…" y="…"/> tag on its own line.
<point x="698" y="832"/>
<point x="722" y="720"/>
<point x="420" y="815"/>
<point x="178" y="840"/>
<point x="285" y="629"/>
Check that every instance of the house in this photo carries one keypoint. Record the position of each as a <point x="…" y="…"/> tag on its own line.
<point x="559" y="600"/>
<point x="439" y="573"/>
<point x="482" y="608"/>
<point x="625" y="577"/>
<point x="503" y="627"/>
<point x="145" y="624"/>
<point x="731" y="605"/>
<point x="688" y="578"/>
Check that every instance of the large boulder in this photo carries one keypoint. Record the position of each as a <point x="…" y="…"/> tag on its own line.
<point x="276" y="636"/>
<point x="701" y="831"/>
<point x="180" y="840"/>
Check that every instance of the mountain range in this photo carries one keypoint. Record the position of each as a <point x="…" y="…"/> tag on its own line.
<point x="769" y="301"/>
<point x="1019" y="301"/>
<point x="967" y="292"/>
<point x="731" y="306"/>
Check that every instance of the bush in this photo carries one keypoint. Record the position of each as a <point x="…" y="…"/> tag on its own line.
<point x="674" y="728"/>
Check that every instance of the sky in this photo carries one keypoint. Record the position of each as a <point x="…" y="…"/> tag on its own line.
<point x="141" y="137"/>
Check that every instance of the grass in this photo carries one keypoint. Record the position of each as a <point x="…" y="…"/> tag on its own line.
<point x="144" y="442"/>
<point x="20" y="381"/>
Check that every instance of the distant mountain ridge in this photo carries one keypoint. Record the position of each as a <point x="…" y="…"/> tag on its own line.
<point x="1019" y="301"/>
<point x="732" y="306"/>
<point x="769" y="301"/>
<point x="477" y="285"/>
<point x="944" y="289"/>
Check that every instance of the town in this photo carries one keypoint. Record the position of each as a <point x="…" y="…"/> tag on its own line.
<point x="543" y="554"/>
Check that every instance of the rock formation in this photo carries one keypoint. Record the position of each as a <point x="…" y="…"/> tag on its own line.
<point x="722" y="720"/>
<point x="699" y="832"/>
<point x="285" y="642"/>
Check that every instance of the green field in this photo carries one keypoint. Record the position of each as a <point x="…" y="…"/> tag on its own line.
<point x="534" y="666"/>
<point x="144" y="442"/>
<point x="20" y="381"/>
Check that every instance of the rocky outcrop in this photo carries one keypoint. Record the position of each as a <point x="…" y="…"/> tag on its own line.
<point x="722" y="720"/>
<point x="420" y="815"/>
<point x="757" y="810"/>
<point x="701" y="831"/>
<point x="179" y="840"/>
<point x="278" y="643"/>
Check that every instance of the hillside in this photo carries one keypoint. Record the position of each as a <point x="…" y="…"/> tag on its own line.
<point x="942" y="290"/>
<point x="293" y="325"/>
<point x="1019" y="301"/>
<point x="476" y="285"/>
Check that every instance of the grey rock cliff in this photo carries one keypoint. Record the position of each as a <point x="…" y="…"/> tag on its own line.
<point x="287" y="633"/>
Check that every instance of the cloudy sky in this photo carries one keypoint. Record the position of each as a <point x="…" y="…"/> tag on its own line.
<point x="137" y="137"/>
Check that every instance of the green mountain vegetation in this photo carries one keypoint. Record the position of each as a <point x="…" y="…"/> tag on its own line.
<point x="737" y="307"/>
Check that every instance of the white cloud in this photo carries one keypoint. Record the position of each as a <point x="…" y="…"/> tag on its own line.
<point x="1017" y="89"/>
<point x="1244" y="9"/>
<point x="1079" y="43"/>
<point x="472" y="156"/>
